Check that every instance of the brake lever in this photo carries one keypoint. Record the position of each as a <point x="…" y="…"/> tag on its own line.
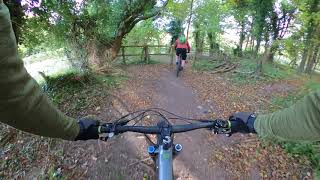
<point x="222" y="127"/>
<point x="106" y="131"/>
<point x="227" y="132"/>
<point x="122" y="123"/>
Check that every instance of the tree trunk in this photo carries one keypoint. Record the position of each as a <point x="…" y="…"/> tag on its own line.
<point x="100" y="56"/>
<point x="259" y="68"/>
<point x="266" y="45"/>
<point x="201" y="44"/>
<point x="247" y="43"/>
<point x="252" y="44"/>
<point x="211" y="50"/>
<point x="256" y="51"/>
<point x="303" y="60"/>
<point x="258" y="71"/>
<point x="317" y="61"/>
<point x="17" y="17"/>
<point x="312" y="60"/>
<point x="275" y="33"/>
<point x="270" y="56"/>
<point x="250" y="37"/>
<point x="310" y="33"/>
<point x="198" y="40"/>
<point x="214" y="46"/>
<point x="242" y="36"/>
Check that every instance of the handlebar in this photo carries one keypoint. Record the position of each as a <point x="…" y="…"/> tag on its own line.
<point x="217" y="126"/>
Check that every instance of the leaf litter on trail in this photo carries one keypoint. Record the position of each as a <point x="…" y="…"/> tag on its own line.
<point x="242" y="157"/>
<point x="75" y="160"/>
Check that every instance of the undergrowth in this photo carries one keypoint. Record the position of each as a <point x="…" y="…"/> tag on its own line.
<point x="245" y="70"/>
<point x="204" y="65"/>
<point x="247" y="66"/>
<point x="22" y="153"/>
<point x="78" y="92"/>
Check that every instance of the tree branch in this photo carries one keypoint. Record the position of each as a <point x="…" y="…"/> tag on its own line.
<point x="134" y="18"/>
<point x="154" y="13"/>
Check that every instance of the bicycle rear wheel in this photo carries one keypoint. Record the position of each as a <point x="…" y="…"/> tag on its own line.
<point x="178" y="67"/>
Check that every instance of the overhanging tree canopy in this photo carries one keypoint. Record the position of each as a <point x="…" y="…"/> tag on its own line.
<point x="95" y="26"/>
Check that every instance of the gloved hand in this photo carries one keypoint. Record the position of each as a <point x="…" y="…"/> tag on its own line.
<point x="242" y="122"/>
<point x="88" y="129"/>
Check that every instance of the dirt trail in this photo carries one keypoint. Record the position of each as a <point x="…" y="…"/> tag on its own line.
<point x="204" y="155"/>
<point x="173" y="95"/>
<point x="165" y="91"/>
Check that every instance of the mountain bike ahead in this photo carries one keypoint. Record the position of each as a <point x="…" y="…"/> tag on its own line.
<point x="164" y="150"/>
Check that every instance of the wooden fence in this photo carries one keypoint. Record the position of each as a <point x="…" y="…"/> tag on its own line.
<point x="145" y="55"/>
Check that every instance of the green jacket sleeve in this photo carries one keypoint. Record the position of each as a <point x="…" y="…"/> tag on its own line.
<point x="23" y="105"/>
<point x="300" y="122"/>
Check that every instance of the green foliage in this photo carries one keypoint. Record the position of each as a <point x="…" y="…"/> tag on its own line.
<point x="204" y="65"/>
<point x="291" y="98"/>
<point x="87" y="28"/>
<point x="80" y="91"/>
<point x="143" y="33"/>
<point x="240" y="9"/>
<point x="272" y="72"/>
<point x="178" y="9"/>
<point x="175" y="29"/>
<point x="285" y="101"/>
<point x="311" y="150"/>
<point x="262" y="11"/>
<point x="312" y="85"/>
<point x="209" y="15"/>
<point x="278" y="71"/>
<point x="207" y="23"/>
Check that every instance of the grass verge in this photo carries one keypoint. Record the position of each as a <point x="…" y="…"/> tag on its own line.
<point x="246" y="68"/>
<point x="271" y="72"/>
<point x="76" y="93"/>
<point x="204" y="65"/>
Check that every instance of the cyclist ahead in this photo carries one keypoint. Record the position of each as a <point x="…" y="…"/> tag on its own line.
<point x="24" y="106"/>
<point x="182" y="47"/>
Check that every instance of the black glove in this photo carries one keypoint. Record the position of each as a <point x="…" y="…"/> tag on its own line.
<point x="88" y="129"/>
<point x="242" y="122"/>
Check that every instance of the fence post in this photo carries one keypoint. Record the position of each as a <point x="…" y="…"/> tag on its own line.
<point x="123" y="55"/>
<point x="146" y="54"/>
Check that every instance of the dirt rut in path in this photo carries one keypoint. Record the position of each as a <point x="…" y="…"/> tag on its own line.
<point x="204" y="155"/>
<point x="173" y="95"/>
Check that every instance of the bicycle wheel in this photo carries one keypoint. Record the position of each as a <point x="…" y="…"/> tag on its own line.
<point x="178" y="67"/>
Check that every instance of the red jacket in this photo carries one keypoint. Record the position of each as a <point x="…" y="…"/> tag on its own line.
<point x="182" y="45"/>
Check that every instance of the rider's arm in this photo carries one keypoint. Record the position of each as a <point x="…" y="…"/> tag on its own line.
<point x="297" y="123"/>
<point x="23" y="105"/>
